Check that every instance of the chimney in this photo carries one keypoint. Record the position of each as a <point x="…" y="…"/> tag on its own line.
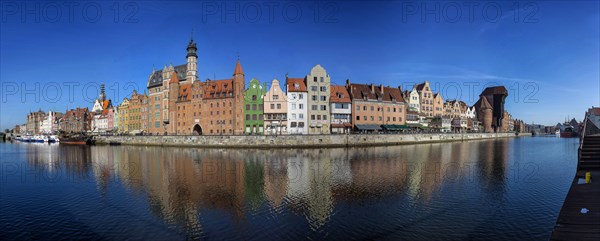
<point x="372" y="88"/>
<point x="381" y="87"/>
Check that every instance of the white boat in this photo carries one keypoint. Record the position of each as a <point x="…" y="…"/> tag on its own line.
<point x="557" y="132"/>
<point x="53" y="139"/>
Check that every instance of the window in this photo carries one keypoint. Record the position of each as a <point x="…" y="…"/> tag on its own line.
<point x="372" y="118"/>
<point x="253" y="97"/>
<point x="323" y="88"/>
<point x="312" y="117"/>
<point x="357" y="107"/>
<point x="253" y="106"/>
<point x="372" y="108"/>
<point x="293" y="106"/>
<point x="278" y="106"/>
<point x="365" y="117"/>
<point x="260" y="117"/>
<point x="301" y="116"/>
<point x="247" y="117"/>
<point x="301" y="106"/>
<point x="272" y="106"/>
<point x="318" y="117"/>
<point x="260" y="107"/>
<point x="357" y="117"/>
<point x="247" y="107"/>
<point x="314" y="98"/>
<point x="323" y="98"/>
<point x="300" y="96"/>
<point x="365" y="108"/>
<point x="254" y="117"/>
<point x="293" y="116"/>
<point x="322" y="79"/>
<point x="314" y="107"/>
<point x="315" y="79"/>
<point x="324" y="117"/>
<point x="275" y="97"/>
<point x="380" y="118"/>
<point x="301" y="124"/>
<point x="323" y="107"/>
<point x="293" y="124"/>
<point x="313" y="88"/>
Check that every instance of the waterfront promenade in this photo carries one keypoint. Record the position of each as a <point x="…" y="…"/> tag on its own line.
<point x="579" y="217"/>
<point x="298" y="141"/>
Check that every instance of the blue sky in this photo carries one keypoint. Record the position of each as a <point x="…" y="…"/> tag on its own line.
<point x="54" y="55"/>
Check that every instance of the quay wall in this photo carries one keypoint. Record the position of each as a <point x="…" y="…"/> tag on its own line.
<point x="296" y="141"/>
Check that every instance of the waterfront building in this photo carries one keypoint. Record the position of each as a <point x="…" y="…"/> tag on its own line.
<point x="50" y="123"/>
<point x="123" y="110"/>
<point x="318" y="85"/>
<point x="490" y="108"/>
<point x="115" y="121"/>
<point x="376" y="106"/>
<point x="441" y="123"/>
<point x="100" y="122"/>
<point x="222" y="109"/>
<point x="412" y="100"/>
<point x="34" y="121"/>
<point x="459" y="124"/>
<point x="425" y="98"/>
<point x="438" y="104"/>
<point x="254" y="108"/>
<point x="179" y="104"/>
<point x="341" y="110"/>
<point x="471" y="113"/>
<point x="76" y="120"/>
<point x="136" y="103"/>
<point x="101" y="103"/>
<point x="297" y="105"/>
<point x="276" y="108"/>
<point x="455" y="108"/>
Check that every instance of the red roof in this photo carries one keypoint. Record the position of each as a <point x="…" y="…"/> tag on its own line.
<point x="594" y="111"/>
<point x="339" y="94"/>
<point x="184" y="91"/>
<point x="295" y="85"/>
<point x="218" y="88"/>
<point x="238" y="68"/>
<point x="372" y="92"/>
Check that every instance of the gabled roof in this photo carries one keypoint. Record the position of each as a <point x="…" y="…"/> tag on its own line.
<point x="594" y="111"/>
<point x="156" y="79"/>
<point x="339" y="94"/>
<point x="184" y="92"/>
<point x="372" y="92"/>
<point x="420" y="87"/>
<point x="295" y="85"/>
<point x="217" y="88"/>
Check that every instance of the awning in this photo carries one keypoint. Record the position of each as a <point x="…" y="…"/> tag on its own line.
<point x="395" y="127"/>
<point x="368" y="127"/>
<point x="344" y="125"/>
<point x="414" y="125"/>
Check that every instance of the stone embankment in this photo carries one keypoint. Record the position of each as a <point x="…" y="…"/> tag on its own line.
<point x="297" y="141"/>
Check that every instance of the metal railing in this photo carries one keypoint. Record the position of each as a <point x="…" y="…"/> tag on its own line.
<point x="592" y="129"/>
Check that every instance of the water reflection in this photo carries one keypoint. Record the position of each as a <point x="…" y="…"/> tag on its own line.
<point x="187" y="186"/>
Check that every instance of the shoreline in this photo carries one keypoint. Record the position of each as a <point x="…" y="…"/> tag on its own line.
<point x="298" y="141"/>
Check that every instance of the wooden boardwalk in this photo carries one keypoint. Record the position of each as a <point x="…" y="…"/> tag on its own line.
<point x="573" y="222"/>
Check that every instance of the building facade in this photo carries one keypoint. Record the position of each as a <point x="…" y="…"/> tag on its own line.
<point x="254" y="108"/>
<point x="75" y="121"/>
<point x="297" y="105"/>
<point x="341" y="110"/>
<point x="376" y="106"/>
<point x="425" y="98"/>
<point x="276" y="108"/>
<point x="318" y="87"/>
<point x="34" y="122"/>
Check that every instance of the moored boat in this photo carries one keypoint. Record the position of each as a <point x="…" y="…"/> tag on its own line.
<point x="77" y="139"/>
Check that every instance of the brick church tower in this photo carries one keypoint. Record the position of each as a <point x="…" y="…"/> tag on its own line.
<point x="238" y="104"/>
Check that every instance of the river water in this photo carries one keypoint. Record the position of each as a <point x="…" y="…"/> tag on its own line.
<point x="501" y="189"/>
